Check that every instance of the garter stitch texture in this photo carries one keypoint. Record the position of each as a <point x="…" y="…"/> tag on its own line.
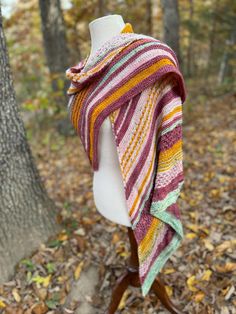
<point x="135" y="80"/>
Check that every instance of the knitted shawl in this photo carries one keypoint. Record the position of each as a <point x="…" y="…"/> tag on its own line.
<point x="135" y="80"/>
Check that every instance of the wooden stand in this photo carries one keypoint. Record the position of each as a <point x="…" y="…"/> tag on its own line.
<point x="131" y="277"/>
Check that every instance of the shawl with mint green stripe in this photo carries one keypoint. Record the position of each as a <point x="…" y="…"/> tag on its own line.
<point x="135" y="80"/>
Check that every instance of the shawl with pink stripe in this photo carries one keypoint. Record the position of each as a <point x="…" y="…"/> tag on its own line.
<point x="135" y="80"/>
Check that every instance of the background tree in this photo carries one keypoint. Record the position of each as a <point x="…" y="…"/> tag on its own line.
<point x="171" y="25"/>
<point x="27" y="214"/>
<point x="53" y="29"/>
<point x="149" y="17"/>
<point x="190" y="56"/>
<point x="101" y="8"/>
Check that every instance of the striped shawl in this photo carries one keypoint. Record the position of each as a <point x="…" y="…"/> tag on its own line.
<point x="135" y="80"/>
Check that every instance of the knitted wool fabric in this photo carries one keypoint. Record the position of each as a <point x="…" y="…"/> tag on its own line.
<point x="135" y="80"/>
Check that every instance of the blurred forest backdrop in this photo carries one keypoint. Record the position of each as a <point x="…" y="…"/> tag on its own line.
<point x="207" y="40"/>
<point x="85" y="251"/>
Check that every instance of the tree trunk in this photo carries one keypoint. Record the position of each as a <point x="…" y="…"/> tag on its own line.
<point x="212" y="39"/>
<point x="225" y="69"/>
<point x="55" y="45"/>
<point x="149" y="17"/>
<point x="27" y="214"/>
<point x="101" y="8"/>
<point x="171" y="25"/>
<point x="190" y="43"/>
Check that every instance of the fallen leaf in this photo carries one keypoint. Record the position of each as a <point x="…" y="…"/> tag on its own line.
<point x="78" y="270"/>
<point x="206" y="275"/>
<point x="169" y="271"/>
<point x="16" y="295"/>
<point x="225" y="245"/>
<point x="62" y="237"/>
<point x="41" y="293"/>
<point x="42" y="280"/>
<point x="190" y="235"/>
<point x="226" y="268"/>
<point x="169" y="290"/>
<point x="199" y="296"/>
<point x="224" y="310"/>
<point x="40" y="308"/>
<point x="193" y="227"/>
<point x="193" y="215"/>
<point x="191" y="282"/>
<point x="2" y="304"/>
<point x="125" y="254"/>
<point x="123" y="300"/>
<point x="208" y="245"/>
<point x="46" y="281"/>
<point x="115" y="238"/>
<point x="229" y="293"/>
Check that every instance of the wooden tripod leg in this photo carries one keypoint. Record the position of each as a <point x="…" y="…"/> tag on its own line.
<point x="159" y="288"/>
<point x="120" y="287"/>
<point x="131" y="277"/>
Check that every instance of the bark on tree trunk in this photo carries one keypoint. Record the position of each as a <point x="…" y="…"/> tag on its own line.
<point x="212" y="39"/>
<point x="101" y="8"/>
<point x="190" y="51"/>
<point x="171" y="25"/>
<point x="225" y="68"/>
<point x="149" y="17"/>
<point x="53" y="29"/>
<point x="27" y="214"/>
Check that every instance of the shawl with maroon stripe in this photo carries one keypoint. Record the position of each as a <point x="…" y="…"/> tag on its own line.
<point x="135" y="80"/>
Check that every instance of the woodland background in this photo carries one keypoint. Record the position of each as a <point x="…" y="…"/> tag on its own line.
<point x="57" y="254"/>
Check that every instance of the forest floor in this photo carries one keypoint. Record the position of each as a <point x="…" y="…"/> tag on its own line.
<point x="78" y="268"/>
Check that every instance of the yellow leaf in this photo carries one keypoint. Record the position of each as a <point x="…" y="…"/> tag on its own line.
<point x="223" y="179"/>
<point x="215" y="193"/>
<point x="206" y="275"/>
<point x="123" y="300"/>
<point x="192" y="215"/>
<point x="193" y="227"/>
<point x="190" y="235"/>
<point x="225" y="245"/>
<point x="62" y="237"/>
<point x="115" y="238"/>
<point x="42" y="280"/>
<point x="191" y="282"/>
<point x="228" y="267"/>
<point x="193" y="202"/>
<point x="78" y="270"/>
<point x="2" y="304"/>
<point x="169" y="290"/>
<point x="204" y="230"/>
<point x="62" y="279"/>
<point x="46" y="281"/>
<point x="124" y="254"/>
<point x="182" y="195"/>
<point x="169" y="271"/>
<point x="16" y="295"/>
<point x="199" y="296"/>
<point x="208" y="245"/>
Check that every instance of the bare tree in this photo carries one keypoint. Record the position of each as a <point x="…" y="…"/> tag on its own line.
<point x="27" y="214"/>
<point x="190" y="51"/>
<point x="171" y="25"/>
<point x="101" y="8"/>
<point x="225" y="68"/>
<point x="149" y="17"/>
<point x="53" y="29"/>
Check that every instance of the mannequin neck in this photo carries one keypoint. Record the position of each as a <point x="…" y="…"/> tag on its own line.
<point x="102" y="29"/>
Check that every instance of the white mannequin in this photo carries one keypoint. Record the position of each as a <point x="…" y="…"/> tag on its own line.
<point x="108" y="190"/>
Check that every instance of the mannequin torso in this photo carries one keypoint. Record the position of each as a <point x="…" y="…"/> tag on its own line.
<point x="107" y="180"/>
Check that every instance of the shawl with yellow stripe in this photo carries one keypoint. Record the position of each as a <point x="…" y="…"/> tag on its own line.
<point x="135" y="80"/>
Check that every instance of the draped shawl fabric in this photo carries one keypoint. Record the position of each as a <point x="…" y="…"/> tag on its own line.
<point x="134" y="79"/>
